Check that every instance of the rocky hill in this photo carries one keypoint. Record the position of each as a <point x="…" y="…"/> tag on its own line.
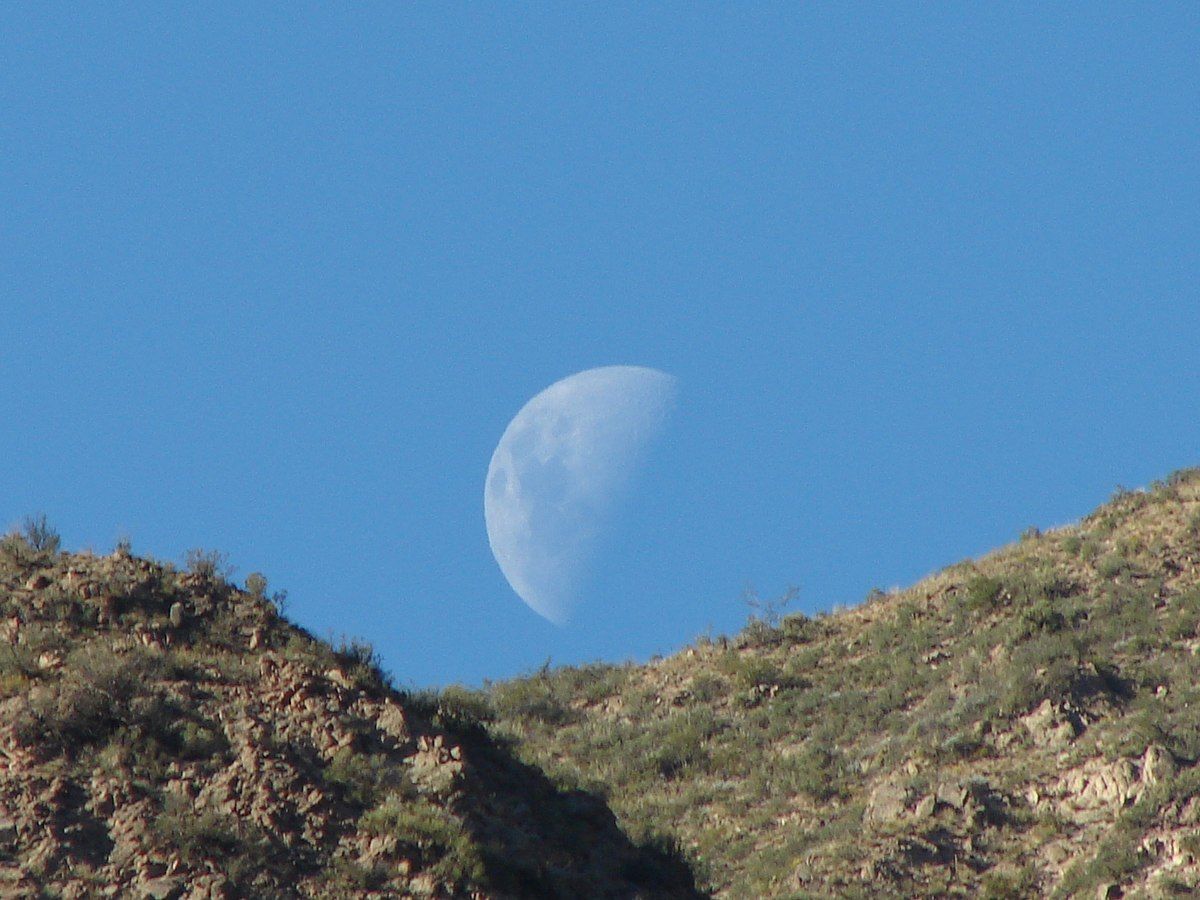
<point x="1025" y="724"/>
<point x="164" y="734"/>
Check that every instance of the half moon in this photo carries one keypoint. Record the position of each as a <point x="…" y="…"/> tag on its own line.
<point x="559" y="471"/>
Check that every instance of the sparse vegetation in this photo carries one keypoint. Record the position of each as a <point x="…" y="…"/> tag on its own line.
<point x="36" y="542"/>
<point x="768" y="611"/>
<point x="41" y="536"/>
<point x="983" y="593"/>
<point x="153" y="714"/>
<point x="805" y="715"/>
<point x="256" y="585"/>
<point x="1022" y="724"/>
<point x="211" y="565"/>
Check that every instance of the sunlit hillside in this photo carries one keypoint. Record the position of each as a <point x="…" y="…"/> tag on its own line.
<point x="1022" y="724"/>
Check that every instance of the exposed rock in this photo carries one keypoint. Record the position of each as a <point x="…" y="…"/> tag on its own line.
<point x="1158" y="764"/>
<point x="106" y="610"/>
<point x="1098" y="788"/>
<point x="888" y="802"/>
<point x="953" y="794"/>
<point x="390" y="720"/>
<point x="926" y="806"/>
<point x="1190" y="813"/>
<point x="162" y="888"/>
<point x="1051" y="725"/>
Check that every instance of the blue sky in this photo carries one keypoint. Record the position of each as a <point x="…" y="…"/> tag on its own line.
<point x="275" y="283"/>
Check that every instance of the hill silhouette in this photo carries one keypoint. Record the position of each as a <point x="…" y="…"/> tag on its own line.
<point x="1023" y="724"/>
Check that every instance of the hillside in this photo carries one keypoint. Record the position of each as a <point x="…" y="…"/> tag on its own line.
<point x="1023" y="724"/>
<point x="164" y="734"/>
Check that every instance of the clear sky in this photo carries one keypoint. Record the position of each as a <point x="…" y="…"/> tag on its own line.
<point x="274" y="281"/>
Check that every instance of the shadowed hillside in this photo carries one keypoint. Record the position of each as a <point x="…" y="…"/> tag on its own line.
<point x="1023" y="724"/>
<point x="163" y="734"/>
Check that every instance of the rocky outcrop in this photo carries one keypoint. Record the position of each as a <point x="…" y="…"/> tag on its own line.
<point x="1098" y="789"/>
<point x="1053" y="725"/>
<point x="164" y="735"/>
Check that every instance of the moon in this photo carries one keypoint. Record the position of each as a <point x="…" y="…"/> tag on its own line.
<point x="561" y="469"/>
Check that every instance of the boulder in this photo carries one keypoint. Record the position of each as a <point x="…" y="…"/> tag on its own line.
<point x="1051" y="726"/>
<point x="1158" y="764"/>
<point x="888" y="802"/>
<point x="162" y="888"/>
<point x="952" y="794"/>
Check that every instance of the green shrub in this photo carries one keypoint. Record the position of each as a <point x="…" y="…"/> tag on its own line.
<point x="438" y="839"/>
<point x="347" y="877"/>
<point x="681" y="743"/>
<point x="819" y="770"/>
<point x="1040" y="584"/>
<point x="200" y="740"/>
<point x="1048" y="667"/>
<point x="1042" y="616"/>
<point x="19" y="661"/>
<point x="200" y="836"/>
<point x="750" y="670"/>
<point x="1174" y="886"/>
<point x="1112" y="566"/>
<point x="256" y="585"/>
<point x="797" y="628"/>
<point x="533" y="698"/>
<point x="1012" y="884"/>
<point x="983" y="593"/>
<point x="706" y="687"/>
<point x="1117" y="857"/>
<point x="363" y="664"/>
<point x="364" y="778"/>
<point x="1181" y="626"/>
<point x="759" y="633"/>
<point x="197" y="834"/>
<point x="98" y="693"/>
<point x="455" y="708"/>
